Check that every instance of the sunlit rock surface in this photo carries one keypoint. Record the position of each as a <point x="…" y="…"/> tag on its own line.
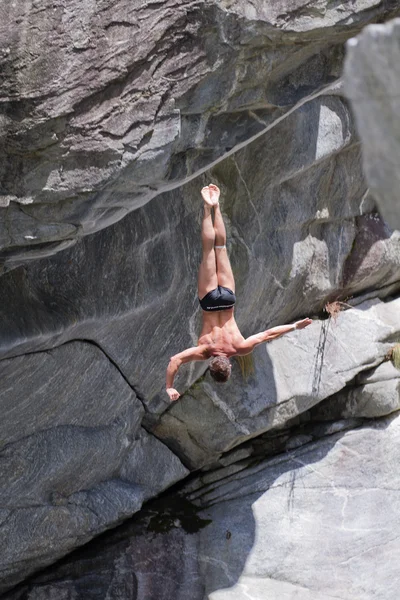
<point x="373" y="85"/>
<point x="315" y="523"/>
<point x="301" y="233"/>
<point x="374" y="393"/>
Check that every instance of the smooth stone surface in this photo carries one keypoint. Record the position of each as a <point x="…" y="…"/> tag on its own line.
<point x="301" y="232"/>
<point x="74" y="459"/>
<point x="96" y="121"/>
<point x="316" y="523"/>
<point x="372" y="82"/>
<point x="375" y="394"/>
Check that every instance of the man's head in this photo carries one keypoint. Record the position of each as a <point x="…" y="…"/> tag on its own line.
<point x="220" y="369"/>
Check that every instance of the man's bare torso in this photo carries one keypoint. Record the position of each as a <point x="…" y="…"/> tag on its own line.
<point x="220" y="334"/>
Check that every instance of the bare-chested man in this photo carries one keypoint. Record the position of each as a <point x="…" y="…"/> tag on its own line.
<point x="220" y="336"/>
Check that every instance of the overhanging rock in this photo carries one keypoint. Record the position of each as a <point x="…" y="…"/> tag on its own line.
<point x="104" y="109"/>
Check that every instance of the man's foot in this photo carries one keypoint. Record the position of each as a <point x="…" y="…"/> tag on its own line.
<point x="214" y="193"/>
<point x="210" y="195"/>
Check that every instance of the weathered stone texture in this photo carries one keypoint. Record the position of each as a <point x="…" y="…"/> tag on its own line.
<point x="292" y="374"/>
<point x="74" y="457"/>
<point x="372" y="75"/>
<point x="302" y="230"/>
<point x="375" y="393"/>
<point x="316" y="523"/>
<point x="105" y="105"/>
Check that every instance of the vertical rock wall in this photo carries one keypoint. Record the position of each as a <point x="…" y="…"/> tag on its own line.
<point x="372" y="86"/>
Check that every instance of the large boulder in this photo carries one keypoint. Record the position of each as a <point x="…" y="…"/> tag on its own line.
<point x="74" y="457"/>
<point x="302" y="232"/>
<point x="292" y="374"/>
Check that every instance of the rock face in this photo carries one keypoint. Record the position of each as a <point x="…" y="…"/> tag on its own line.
<point x="77" y="460"/>
<point x="106" y="105"/>
<point x="128" y="100"/>
<point x="315" y="523"/>
<point x="372" y="84"/>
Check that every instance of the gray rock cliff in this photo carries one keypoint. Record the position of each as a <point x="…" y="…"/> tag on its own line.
<point x="118" y="109"/>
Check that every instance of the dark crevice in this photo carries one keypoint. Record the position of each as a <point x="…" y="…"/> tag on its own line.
<point x="114" y="363"/>
<point x="391" y="297"/>
<point x="93" y="343"/>
<point x="33" y="246"/>
<point x="121" y="24"/>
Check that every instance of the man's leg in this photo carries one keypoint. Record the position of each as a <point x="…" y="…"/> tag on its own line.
<point x="224" y="269"/>
<point x="207" y="280"/>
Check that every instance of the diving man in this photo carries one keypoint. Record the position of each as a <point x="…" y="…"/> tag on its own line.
<point x="220" y="337"/>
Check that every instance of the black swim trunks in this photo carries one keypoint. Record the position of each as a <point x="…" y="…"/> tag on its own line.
<point x="221" y="298"/>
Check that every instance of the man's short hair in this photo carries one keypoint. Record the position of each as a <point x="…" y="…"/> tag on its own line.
<point x="220" y="369"/>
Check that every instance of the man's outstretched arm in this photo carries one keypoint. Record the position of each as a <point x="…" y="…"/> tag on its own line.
<point x="271" y="334"/>
<point x="189" y="355"/>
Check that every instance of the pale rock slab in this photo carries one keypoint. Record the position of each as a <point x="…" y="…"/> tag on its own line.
<point x="376" y="393"/>
<point x="372" y="75"/>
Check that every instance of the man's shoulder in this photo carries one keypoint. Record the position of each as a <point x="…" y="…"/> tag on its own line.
<point x="245" y="346"/>
<point x="205" y="350"/>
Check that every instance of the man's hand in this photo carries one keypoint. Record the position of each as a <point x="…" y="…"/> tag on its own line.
<point x="302" y="324"/>
<point x="173" y="394"/>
